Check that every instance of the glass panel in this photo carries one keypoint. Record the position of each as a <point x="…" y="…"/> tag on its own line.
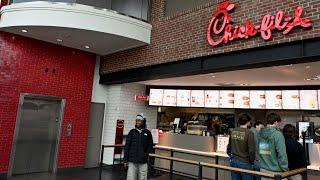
<point x="138" y="9"/>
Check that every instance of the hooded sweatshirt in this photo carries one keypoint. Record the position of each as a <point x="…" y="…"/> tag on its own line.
<point x="272" y="150"/>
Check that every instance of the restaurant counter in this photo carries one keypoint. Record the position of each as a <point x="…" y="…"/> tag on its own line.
<point x="191" y="147"/>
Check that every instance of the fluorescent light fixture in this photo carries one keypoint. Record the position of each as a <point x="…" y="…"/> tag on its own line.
<point x="59" y="40"/>
<point x="24" y="30"/>
<point x="87" y="47"/>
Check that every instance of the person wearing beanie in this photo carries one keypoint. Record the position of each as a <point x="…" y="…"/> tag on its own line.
<point x="139" y="144"/>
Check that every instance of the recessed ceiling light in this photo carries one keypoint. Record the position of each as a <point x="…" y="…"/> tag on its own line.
<point x="308" y="79"/>
<point x="24" y="31"/>
<point x="87" y="47"/>
<point x="59" y="40"/>
<point x="244" y="84"/>
<point x="213" y="76"/>
<point x="308" y="67"/>
<point x="289" y="65"/>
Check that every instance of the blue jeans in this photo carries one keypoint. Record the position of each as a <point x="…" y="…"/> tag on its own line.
<point x="243" y="165"/>
<point x="256" y="167"/>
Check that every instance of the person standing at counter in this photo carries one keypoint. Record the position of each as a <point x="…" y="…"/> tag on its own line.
<point x="295" y="151"/>
<point x="242" y="147"/>
<point x="257" y="126"/>
<point x="272" y="147"/>
<point x="139" y="144"/>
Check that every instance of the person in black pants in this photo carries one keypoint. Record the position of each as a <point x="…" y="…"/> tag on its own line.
<point x="138" y="145"/>
<point x="295" y="151"/>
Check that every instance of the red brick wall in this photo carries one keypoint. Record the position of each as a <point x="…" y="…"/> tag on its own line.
<point x="22" y="70"/>
<point x="183" y="36"/>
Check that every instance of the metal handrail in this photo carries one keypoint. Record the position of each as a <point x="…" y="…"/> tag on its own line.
<point x="200" y="165"/>
<point x="278" y="176"/>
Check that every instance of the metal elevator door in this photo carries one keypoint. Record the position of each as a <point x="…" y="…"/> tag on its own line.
<point x="37" y="136"/>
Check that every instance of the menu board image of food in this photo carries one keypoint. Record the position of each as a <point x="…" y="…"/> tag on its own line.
<point x="309" y="99"/>
<point x="169" y="97"/>
<point x="211" y="99"/>
<point x="183" y="98"/>
<point x="226" y="99"/>
<point x="274" y="99"/>
<point x="197" y="98"/>
<point x="257" y="99"/>
<point x="241" y="99"/>
<point x="156" y="96"/>
<point x="290" y="99"/>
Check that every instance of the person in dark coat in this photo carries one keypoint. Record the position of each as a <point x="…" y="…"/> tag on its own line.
<point x="139" y="144"/>
<point x="295" y="151"/>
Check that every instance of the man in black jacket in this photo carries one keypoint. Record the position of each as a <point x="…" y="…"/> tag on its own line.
<point x="139" y="144"/>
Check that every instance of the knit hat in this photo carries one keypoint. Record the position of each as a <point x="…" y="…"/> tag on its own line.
<point x="141" y="117"/>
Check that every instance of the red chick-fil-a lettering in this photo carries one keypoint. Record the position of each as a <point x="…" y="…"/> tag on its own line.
<point x="221" y="30"/>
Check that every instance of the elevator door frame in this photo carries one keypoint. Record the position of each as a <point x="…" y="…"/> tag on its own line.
<point x="18" y="121"/>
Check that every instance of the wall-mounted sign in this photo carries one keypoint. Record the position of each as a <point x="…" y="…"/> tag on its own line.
<point x="156" y="96"/>
<point x="290" y="99"/>
<point x="169" y="97"/>
<point x="257" y="99"/>
<point x="221" y="30"/>
<point x="274" y="99"/>
<point x="309" y="99"/>
<point x="242" y="99"/>
<point x="183" y="98"/>
<point x="211" y="98"/>
<point x="197" y="98"/>
<point x="141" y="98"/>
<point x="226" y="99"/>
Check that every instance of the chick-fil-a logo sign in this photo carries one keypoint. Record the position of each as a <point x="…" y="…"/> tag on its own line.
<point x="221" y="30"/>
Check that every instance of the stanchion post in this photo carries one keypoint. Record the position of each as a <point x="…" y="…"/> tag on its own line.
<point x="101" y="162"/>
<point x="171" y="169"/>
<point x="216" y="175"/>
<point x="148" y="174"/>
<point x="200" y="172"/>
<point x="277" y="177"/>
<point x="304" y="175"/>
<point x="171" y="165"/>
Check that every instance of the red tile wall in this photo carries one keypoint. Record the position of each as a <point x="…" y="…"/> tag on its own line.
<point x="183" y="36"/>
<point x="22" y="70"/>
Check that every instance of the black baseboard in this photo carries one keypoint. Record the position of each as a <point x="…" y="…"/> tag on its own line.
<point x="70" y="169"/>
<point x="3" y="176"/>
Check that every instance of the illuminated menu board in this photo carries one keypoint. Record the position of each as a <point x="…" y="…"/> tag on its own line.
<point x="183" y="98"/>
<point x="241" y="99"/>
<point x="169" y="97"/>
<point x="274" y="99"/>
<point x="156" y="96"/>
<point x="245" y="99"/>
<point x="197" y="98"/>
<point x="290" y="99"/>
<point x="258" y="99"/>
<point x="226" y="99"/>
<point x="309" y="99"/>
<point x="211" y="99"/>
